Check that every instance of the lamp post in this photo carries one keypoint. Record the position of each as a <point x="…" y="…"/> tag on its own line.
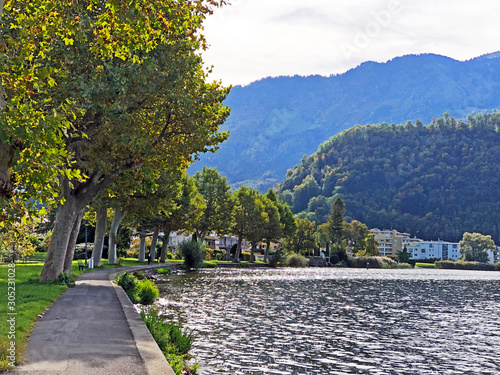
<point x="86" y="223"/>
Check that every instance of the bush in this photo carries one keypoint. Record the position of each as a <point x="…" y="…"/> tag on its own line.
<point x="371" y="262"/>
<point x="174" y="341"/>
<point x="461" y="265"/>
<point x="193" y="253"/>
<point x="129" y="284"/>
<point x="404" y="265"/>
<point x="296" y="260"/>
<point x="147" y="292"/>
<point x="164" y="271"/>
<point x="67" y="279"/>
<point x="169" y="256"/>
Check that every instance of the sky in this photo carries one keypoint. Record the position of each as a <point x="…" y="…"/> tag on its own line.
<point x="253" y="39"/>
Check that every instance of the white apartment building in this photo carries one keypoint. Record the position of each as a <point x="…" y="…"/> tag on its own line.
<point x="440" y="250"/>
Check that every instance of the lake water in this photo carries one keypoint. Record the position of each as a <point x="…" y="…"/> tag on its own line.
<point x="339" y="321"/>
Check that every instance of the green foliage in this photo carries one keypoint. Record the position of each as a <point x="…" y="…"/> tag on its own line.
<point x="404" y="256"/>
<point x="173" y="340"/>
<point x="296" y="260"/>
<point x="67" y="279"/>
<point x="193" y="253"/>
<point x="129" y="284"/>
<point x="461" y="265"/>
<point x="404" y="265"/>
<point x="425" y="265"/>
<point x="371" y="262"/>
<point x="147" y="292"/>
<point x="474" y="247"/>
<point x="412" y="177"/>
<point x="304" y="239"/>
<point x="164" y="271"/>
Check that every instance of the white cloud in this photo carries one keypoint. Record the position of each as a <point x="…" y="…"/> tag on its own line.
<point x="252" y="39"/>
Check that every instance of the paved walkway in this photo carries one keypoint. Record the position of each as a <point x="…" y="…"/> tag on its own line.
<point x="93" y="329"/>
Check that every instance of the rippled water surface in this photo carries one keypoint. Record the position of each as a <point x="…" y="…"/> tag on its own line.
<point x="339" y="321"/>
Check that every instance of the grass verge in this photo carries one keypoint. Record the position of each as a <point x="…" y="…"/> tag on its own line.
<point x="32" y="298"/>
<point x="425" y="265"/>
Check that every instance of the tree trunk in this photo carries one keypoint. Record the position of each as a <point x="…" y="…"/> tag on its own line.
<point x="63" y="226"/>
<point x="238" y="249"/>
<point x="142" y="246"/>
<point x="152" y="250"/>
<point x="115" y="224"/>
<point x="252" y="253"/>
<point x="100" y="232"/>
<point x="163" y="254"/>
<point x="266" y="254"/>
<point x="70" y="250"/>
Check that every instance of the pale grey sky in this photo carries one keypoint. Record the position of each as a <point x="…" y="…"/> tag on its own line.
<point x="252" y="39"/>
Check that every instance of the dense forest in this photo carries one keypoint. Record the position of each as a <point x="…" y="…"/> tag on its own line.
<point x="275" y="121"/>
<point x="435" y="181"/>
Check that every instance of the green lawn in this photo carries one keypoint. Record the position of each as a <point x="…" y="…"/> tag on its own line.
<point x="31" y="299"/>
<point x="425" y="265"/>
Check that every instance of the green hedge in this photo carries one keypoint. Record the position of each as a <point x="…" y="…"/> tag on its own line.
<point x="371" y="262"/>
<point x="460" y="265"/>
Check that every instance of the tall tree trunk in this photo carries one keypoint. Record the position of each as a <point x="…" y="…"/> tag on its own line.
<point x="100" y="232"/>
<point x="266" y="254"/>
<point x="152" y="250"/>
<point x="163" y="254"/>
<point x="252" y="256"/>
<point x="115" y="224"/>
<point x="203" y="234"/>
<point x="70" y="250"/>
<point x="63" y="225"/>
<point x="142" y="246"/>
<point x="238" y="249"/>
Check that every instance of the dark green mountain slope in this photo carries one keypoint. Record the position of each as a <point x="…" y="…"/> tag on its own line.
<point x="277" y="120"/>
<point x="434" y="181"/>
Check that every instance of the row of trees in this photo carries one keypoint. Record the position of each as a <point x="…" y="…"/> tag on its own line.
<point x="100" y="103"/>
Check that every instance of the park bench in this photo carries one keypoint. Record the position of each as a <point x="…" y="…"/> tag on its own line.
<point x="81" y="265"/>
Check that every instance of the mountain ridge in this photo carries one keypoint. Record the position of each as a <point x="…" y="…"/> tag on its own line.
<point x="274" y="121"/>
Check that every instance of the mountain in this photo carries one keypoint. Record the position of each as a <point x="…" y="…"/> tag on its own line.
<point x="275" y="121"/>
<point x="442" y="179"/>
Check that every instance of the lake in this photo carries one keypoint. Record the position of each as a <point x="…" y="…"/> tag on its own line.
<point x="339" y="321"/>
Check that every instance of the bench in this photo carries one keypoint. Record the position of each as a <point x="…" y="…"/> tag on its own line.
<point x="81" y="265"/>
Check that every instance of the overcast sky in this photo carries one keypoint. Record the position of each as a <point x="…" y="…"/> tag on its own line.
<point x="252" y="39"/>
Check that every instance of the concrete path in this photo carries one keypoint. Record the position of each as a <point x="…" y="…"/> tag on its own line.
<point x="93" y="329"/>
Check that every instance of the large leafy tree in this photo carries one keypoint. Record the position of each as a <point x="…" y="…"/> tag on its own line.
<point x="474" y="247"/>
<point x="250" y="217"/>
<point x="304" y="240"/>
<point x="216" y="194"/>
<point x="127" y="87"/>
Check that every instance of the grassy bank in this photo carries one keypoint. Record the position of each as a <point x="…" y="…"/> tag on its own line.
<point x="32" y="298"/>
<point x="425" y="265"/>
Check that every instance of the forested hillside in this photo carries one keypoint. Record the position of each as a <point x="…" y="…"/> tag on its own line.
<point x="275" y="121"/>
<point x="434" y="181"/>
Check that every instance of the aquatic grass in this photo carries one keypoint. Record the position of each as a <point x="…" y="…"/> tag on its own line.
<point x="173" y="340"/>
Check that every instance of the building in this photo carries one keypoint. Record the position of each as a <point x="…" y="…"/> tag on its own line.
<point x="391" y="241"/>
<point x="434" y="249"/>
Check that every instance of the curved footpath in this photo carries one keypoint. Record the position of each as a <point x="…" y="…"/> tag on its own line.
<point x="93" y="329"/>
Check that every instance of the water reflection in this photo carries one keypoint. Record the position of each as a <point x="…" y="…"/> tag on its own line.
<point x="339" y="321"/>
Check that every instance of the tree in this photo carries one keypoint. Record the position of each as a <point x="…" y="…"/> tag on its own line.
<point x="371" y="248"/>
<point x="304" y="241"/>
<point x="250" y="217"/>
<point x="335" y="222"/>
<point x="216" y="194"/>
<point x="17" y="239"/>
<point x="404" y="256"/>
<point x="356" y="232"/>
<point x="474" y="247"/>
<point x="138" y="101"/>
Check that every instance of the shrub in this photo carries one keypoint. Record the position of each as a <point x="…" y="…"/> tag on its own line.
<point x="193" y="253"/>
<point x="174" y="341"/>
<point x="218" y="256"/>
<point x="147" y="292"/>
<point x="129" y="284"/>
<point x="139" y="275"/>
<point x="178" y="254"/>
<point x="169" y="256"/>
<point x="67" y="279"/>
<point x="461" y="265"/>
<point x="371" y="262"/>
<point x="404" y="265"/>
<point x="296" y="260"/>
<point x="164" y="271"/>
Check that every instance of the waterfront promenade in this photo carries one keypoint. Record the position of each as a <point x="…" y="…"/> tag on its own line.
<point x="93" y="329"/>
